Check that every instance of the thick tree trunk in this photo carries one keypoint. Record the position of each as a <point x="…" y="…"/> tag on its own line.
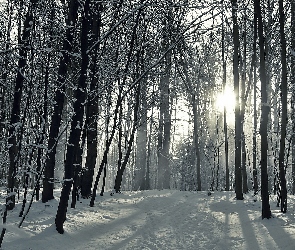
<point x="254" y="159"/>
<point x="15" y="112"/>
<point x="165" y="116"/>
<point x="238" y="131"/>
<point x="44" y="119"/>
<point x="284" y="93"/>
<point x="244" y="96"/>
<point x="76" y="125"/>
<point x="48" y="181"/>
<point x="91" y="115"/>
<point x="142" y="154"/>
<point x="266" y="213"/>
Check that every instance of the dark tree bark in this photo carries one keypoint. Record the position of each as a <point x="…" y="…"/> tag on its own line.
<point x="105" y="154"/>
<point x="119" y="176"/>
<point x="76" y="124"/>
<point x="92" y="113"/>
<point x="16" y="105"/>
<point x="48" y="181"/>
<point x="238" y="173"/>
<point x="44" y="119"/>
<point x="78" y="169"/>
<point x="122" y="165"/>
<point x="244" y="97"/>
<point x="284" y="93"/>
<point x="244" y="164"/>
<point x="266" y="213"/>
<point x="255" y="181"/>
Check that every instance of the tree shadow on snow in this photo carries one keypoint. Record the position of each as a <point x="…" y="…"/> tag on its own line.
<point x="236" y="215"/>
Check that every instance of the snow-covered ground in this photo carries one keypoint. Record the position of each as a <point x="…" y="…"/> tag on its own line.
<point x="155" y="220"/>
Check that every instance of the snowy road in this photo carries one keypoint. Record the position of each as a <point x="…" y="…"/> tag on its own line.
<point x="156" y="220"/>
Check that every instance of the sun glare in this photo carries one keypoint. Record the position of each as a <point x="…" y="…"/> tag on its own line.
<point x="226" y="99"/>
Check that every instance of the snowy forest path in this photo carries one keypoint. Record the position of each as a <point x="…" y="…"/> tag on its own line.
<point x="166" y="219"/>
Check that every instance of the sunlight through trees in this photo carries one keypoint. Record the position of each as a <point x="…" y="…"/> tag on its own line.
<point x="108" y="96"/>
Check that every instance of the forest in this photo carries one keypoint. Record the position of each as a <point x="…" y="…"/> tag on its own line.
<point x="99" y="98"/>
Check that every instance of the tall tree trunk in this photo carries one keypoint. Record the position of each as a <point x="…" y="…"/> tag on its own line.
<point x="165" y="116"/>
<point x="78" y="168"/>
<point x="141" y="160"/>
<point x="44" y="119"/>
<point x="48" y="180"/>
<point x="148" y="182"/>
<point x="293" y="91"/>
<point x="244" y="164"/>
<point x="255" y="181"/>
<point x="119" y="176"/>
<point x="266" y="213"/>
<point x="196" y="141"/>
<point x="129" y="143"/>
<point x="238" y="173"/>
<point x="16" y="106"/>
<point x="76" y="124"/>
<point x="284" y="93"/>
<point x="244" y="97"/>
<point x="141" y="155"/>
<point x="224" y="108"/>
<point x="196" y="115"/>
<point x="269" y="22"/>
<point x="91" y="114"/>
<point x="107" y="148"/>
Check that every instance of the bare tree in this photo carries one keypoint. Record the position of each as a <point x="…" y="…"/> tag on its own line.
<point x="238" y="173"/>
<point x="165" y="113"/>
<point x="284" y="93"/>
<point x="76" y="124"/>
<point x="48" y="180"/>
<point x="92" y="110"/>
<point x="16" y="106"/>
<point x="266" y="213"/>
<point x="254" y="158"/>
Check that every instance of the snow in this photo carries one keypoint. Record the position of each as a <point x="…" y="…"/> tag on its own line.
<point x="166" y="219"/>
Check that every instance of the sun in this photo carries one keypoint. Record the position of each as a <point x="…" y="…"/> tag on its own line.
<point x="225" y="99"/>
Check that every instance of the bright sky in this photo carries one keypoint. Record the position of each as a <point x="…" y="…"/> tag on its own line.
<point x="227" y="100"/>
